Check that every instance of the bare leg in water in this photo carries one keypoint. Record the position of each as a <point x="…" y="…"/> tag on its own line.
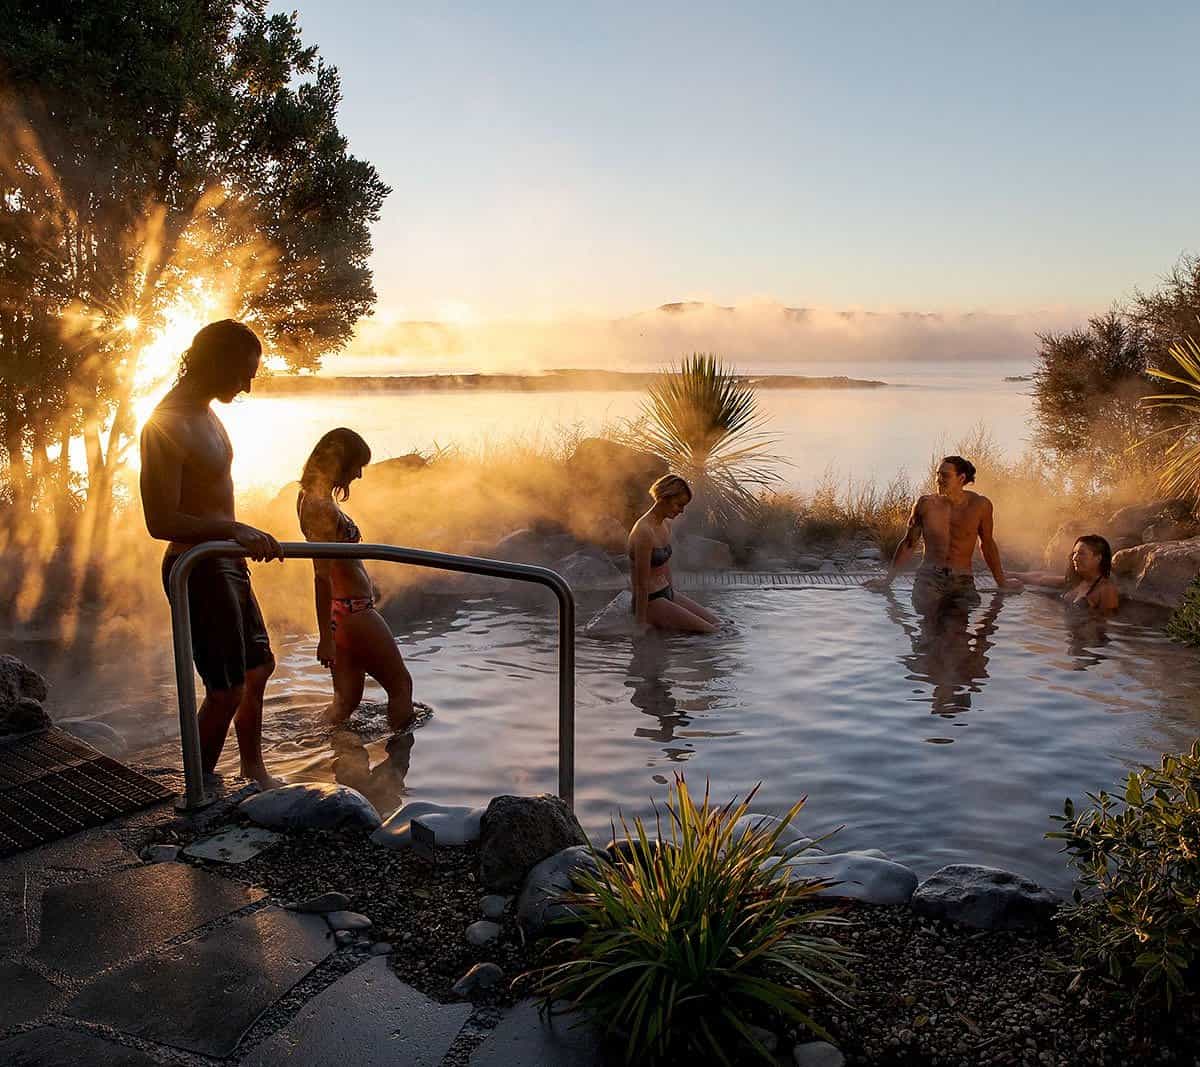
<point x="696" y="609"/>
<point x="242" y="705"/>
<point x="672" y="615"/>
<point x="374" y="651"/>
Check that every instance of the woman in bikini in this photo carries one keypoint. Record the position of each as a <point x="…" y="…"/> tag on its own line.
<point x="354" y="638"/>
<point x="1088" y="581"/>
<point x="655" y="600"/>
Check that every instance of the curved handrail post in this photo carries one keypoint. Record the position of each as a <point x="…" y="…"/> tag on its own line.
<point x="181" y="631"/>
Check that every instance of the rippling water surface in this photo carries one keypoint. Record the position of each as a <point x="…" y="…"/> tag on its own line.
<point x="936" y="743"/>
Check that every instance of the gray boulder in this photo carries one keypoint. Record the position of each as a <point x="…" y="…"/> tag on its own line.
<point x="540" y="902"/>
<point x="790" y="839"/>
<point x="614" y="479"/>
<point x="483" y="932"/>
<point x="817" y="1054"/>
<point x="96" y="733"/>
<point x="532" y="546"/>
<point x="1130" y="526"/>
<point x="1158" y="573"/>
<point x="986" y="898"/>
<point x="704" y="554"/>
<point x="449" y="824"/>
<point x="519" y="832"/>
<point x="481" y="976"/>
<point x="588" y="568"/>
<point x="22" y="691"/>
<point x="310" y="805"/>
<point x="857" y="876"/>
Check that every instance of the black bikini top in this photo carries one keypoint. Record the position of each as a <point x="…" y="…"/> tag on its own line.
<point x="659" y="556"/>
<point x="1083" y="600"/>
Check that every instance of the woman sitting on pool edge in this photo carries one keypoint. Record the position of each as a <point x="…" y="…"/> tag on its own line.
<point x="1088" y="580"/>
<point x="354" y="638"/>
<point x="655" y="601"/>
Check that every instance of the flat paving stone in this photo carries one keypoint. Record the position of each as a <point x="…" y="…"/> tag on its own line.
<point x="89" y="926"/>
<point x="234" y="845"/>
<point x="204" y="994"/>
<point x="53" y="1046"/>
<point x="26" y="995"/>
<point x="12" y="916"/>
<point x="369" y="1018"/>
<point x="527" y="1037"/>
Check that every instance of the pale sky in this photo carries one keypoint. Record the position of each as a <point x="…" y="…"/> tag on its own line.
<point x="550" y="160"/>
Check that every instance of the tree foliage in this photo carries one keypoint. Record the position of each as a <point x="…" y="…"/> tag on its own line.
<point x="146" y="144"/>
<point x="1088" y="385"/>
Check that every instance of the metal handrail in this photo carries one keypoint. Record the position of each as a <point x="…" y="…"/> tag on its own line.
<point x="181" y="629"/>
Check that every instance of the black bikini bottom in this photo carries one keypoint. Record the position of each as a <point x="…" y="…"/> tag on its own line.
<point x="667" y="592"/>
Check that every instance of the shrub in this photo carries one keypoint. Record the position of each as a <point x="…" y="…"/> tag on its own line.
<point x="688" y="942"/>
<point x="703" y="418"/>
<point x="1138" y="862"/>
<point x="1184" y="624"/>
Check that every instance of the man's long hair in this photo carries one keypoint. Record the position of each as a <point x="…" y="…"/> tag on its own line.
<point x="208" y="360"/>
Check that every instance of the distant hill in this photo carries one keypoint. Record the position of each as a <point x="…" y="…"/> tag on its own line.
<point x="564" y="380"/>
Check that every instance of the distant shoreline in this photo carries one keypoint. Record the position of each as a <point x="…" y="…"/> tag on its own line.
<point x="551" y="381"/>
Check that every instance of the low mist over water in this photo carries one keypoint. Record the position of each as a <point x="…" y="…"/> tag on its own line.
<point x="857" y="433"/>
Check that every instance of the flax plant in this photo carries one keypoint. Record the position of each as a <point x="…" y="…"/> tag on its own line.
<point x="691" y="937"/>
<point x="1179" y="473"/>
<point x="703" y="418"/>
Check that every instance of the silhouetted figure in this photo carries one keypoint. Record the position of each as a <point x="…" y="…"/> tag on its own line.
<point x="354" y="639"/>
<point x="951" y="522"/>
<point x="187" y="497"/>
<point x="656" y="602"/>
<point x="1087" y="583"/>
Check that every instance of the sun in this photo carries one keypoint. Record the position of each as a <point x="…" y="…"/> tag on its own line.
<point x="158" y="361"/>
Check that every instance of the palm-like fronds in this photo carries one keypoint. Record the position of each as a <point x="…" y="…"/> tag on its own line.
<point x="687" y="941"/>
<point x="704" y="420"/>
<point x="1180" y="470"/>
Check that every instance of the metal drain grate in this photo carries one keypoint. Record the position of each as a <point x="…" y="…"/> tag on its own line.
<point x="797" y="579"/>
<point x="52" y="785"/>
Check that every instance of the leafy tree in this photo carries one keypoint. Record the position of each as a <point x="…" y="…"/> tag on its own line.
<point x="1088" y="385"/>
<point x="145" y="144"/>
<point x="1171" y="312"/>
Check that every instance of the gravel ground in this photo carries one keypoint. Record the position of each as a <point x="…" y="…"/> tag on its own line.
<point x="927" y="992"/>
<point x="940" y="993"/>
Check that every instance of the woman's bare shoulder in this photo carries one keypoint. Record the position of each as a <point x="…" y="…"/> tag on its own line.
<point x="318" y="516"/>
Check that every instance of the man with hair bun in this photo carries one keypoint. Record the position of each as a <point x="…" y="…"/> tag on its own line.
<point x="951" y="522"/>
<point x="187" y="497"/>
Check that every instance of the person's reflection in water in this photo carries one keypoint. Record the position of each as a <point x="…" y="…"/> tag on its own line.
<point x="652" y="695"/>
<point x="383" y="784"/>
<point x="1087" y="632"/>
<point x="947" y="652"/>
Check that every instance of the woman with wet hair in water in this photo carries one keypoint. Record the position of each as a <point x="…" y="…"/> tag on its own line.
<point x="354" y="638"/>
<point x="1087" y="582"/>
<point x="656" y="602"/>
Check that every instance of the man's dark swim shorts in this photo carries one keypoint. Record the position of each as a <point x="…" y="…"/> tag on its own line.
<point x="936" y="588"/>
<point x="229" y="636"/>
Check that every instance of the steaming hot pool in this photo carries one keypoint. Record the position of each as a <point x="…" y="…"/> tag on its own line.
<point x="935" y="743"/>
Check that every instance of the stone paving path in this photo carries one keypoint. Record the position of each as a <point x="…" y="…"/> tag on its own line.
<point x="106" y="961"/>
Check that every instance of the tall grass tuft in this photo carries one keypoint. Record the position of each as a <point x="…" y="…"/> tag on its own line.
<point x="1179" y="469"/>
<point x="703" y="418"/>
<point x="688" y="942"/>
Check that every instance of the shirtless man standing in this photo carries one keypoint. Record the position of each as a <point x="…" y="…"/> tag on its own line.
<point x="951" y="522"/>
<point x="187" y="496"/>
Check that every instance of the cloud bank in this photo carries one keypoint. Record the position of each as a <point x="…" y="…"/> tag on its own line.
<point x="759" y="337"/>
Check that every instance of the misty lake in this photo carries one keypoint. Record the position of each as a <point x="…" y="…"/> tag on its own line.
<point x="855" y="433"/>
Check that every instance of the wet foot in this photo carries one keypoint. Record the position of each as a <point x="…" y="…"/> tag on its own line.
<point x="262" y="777"/>
<point x="422" y="713"/>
